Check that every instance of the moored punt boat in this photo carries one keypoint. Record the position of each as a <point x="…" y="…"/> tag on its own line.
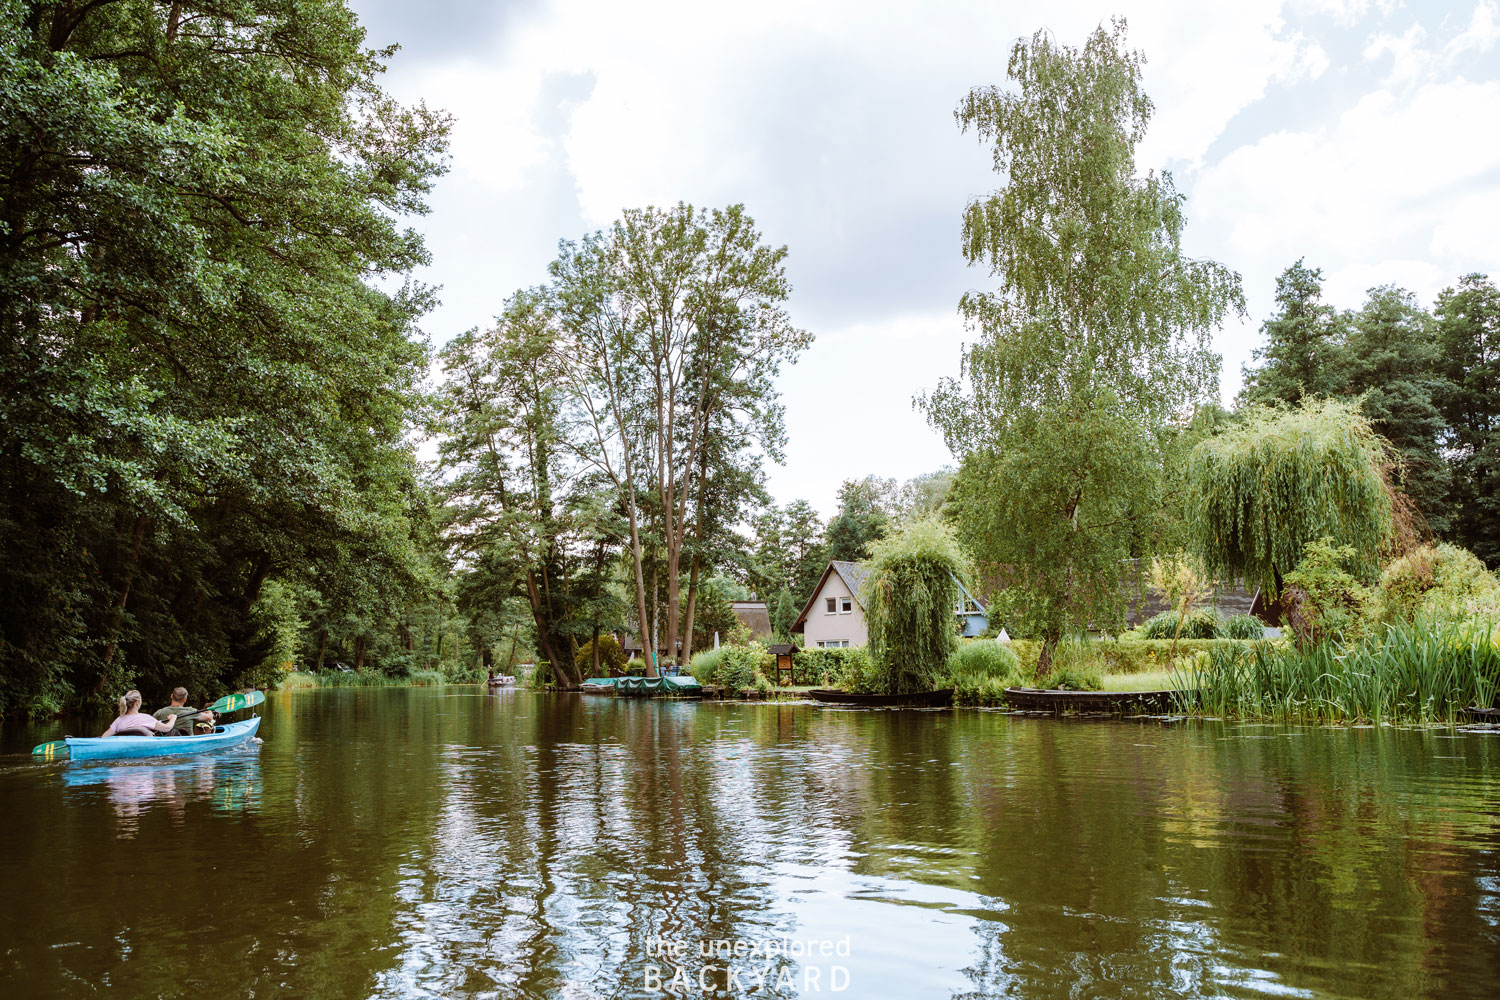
<point x="1483" y="714"/>
<point x="137" y="747"/>
<point x="922" y="699"/>
<point x="1053" y="700"/>
<point x="646" y="687"/>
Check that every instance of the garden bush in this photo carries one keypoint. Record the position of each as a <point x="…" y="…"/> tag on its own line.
<point x="856" y="672"/>
<point x="739" y="666"/>
<point x="980" y="671"/>
<point x="1160" y="626"/>
<point x="1436" y="583"/>
<point x="1323" y="600"/>
<point x="704" y="666"/>
<point x="825" y="666"/>
<point x="1078" y="676"/>
<point x="1244" y="627"/>
<point x="612" y="657"/>
<point x="1201" y="624"/>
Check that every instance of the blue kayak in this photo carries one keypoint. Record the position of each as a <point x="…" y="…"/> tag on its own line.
<point x="132" y="747"/>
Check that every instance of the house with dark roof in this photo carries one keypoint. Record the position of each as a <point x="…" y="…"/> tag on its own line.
<point x="835" y="618"/>
<point x="1228" y="599"/>
<point x="754" y="615"/>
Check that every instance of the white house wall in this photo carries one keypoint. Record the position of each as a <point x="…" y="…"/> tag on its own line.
<point x="841" y="626"/>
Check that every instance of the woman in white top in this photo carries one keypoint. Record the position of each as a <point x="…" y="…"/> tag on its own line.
<point x="132" y="718"/>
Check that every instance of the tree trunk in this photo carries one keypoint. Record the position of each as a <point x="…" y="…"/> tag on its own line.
<point x="565" y="672"/>
<point x="692" y="610"/>
<point x="1050" y="641"/>
<point x="640" y="590"/>
<point x="359" y="653"/>
<point x="322" y="647"/>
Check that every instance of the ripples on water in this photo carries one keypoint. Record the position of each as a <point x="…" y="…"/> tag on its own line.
<point x="455" y="844"/>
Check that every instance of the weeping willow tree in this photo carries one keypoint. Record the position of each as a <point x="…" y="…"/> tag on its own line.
<point x="1261" y="491"/>
<point x="909" y="600"/>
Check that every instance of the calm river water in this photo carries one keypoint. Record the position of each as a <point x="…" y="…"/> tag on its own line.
<point x="452" y="843"/>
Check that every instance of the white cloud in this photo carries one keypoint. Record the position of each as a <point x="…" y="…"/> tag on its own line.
<point x="1409" y="57"/>
<point x="833" y="122"/>
<point x="1481" y="34"/>
<point x="1392" y="190"/>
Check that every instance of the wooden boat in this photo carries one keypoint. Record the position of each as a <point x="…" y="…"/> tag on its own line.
<point x="1483" y="714"/>
<point x="504" y="680"/>
<point x="1054" y="700"/>
<point x="922" y="699"/>
<point x="646" y="687"/>
<point x="138" y="747"/>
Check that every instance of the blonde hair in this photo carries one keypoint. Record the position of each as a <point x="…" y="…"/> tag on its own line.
<point x="130" y="702"/>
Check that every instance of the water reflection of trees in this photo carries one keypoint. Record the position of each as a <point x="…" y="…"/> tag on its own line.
<point x="400" y="843"/>
<point x="1081" y="857"/>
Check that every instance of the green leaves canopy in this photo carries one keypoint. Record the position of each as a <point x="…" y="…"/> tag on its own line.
<point x="1266" y="487"/>
<point x="202" y="389"/>
<point x="909" y="600"/>
<point x="1097" y="336"/>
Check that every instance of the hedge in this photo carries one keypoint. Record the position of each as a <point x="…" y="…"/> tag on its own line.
<point x="1127" y="656"/>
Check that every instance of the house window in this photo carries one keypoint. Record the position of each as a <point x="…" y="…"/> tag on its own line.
<point x="846" y="605"/>
<point x="833" y="644"/>
<point x="831" y="604"/>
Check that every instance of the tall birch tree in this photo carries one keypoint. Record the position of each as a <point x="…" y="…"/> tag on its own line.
<point x="1097" y="336"/>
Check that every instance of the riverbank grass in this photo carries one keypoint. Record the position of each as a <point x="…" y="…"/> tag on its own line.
<point x="297" y="680"/>
<point x="1406" y="673"/>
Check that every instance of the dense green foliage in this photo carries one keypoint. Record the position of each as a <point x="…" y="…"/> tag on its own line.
<point x="1266" y="487"/>
<point x="611" y="657"/>
<point x="204" y="388"/>
<point x="980" y="670"/>
<point x="909" y="598"/>
<point x="861" y="521"/>
<point x="1468" y="334"/>
<point x="1428" y="382"/>
<point x="1200" y="624"/>
<point x="1243" y="627"/>
<point x="1435" y="583"/>
<point x="1304" y="352"/>
<point x="1097" y="338"/>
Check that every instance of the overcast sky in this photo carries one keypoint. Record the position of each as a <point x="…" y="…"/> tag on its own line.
<point x="1359" y="134"/>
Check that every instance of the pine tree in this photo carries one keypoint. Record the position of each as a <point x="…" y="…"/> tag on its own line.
<point x="1392" y="362"/>
<point x="1468" y="337"/>
<point x="1305" y="353"/>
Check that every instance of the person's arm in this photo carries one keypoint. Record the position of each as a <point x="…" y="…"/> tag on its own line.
<point x="165" y="725"/>
<point x="108" y="732"/>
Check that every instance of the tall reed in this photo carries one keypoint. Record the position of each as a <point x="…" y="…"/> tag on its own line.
<point x="1408" y="673"/>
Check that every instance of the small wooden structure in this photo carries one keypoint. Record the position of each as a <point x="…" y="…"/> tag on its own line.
<point x="785" y="654"/>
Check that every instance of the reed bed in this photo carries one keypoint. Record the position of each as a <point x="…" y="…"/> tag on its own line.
<point x="1408" y="673"/>
<point x="296" y="680"/>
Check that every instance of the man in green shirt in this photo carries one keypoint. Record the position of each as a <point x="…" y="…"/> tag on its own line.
<point x="179" y="707"/>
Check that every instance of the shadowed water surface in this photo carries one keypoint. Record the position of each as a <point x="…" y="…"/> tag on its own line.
<point x="451" y="843"/>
